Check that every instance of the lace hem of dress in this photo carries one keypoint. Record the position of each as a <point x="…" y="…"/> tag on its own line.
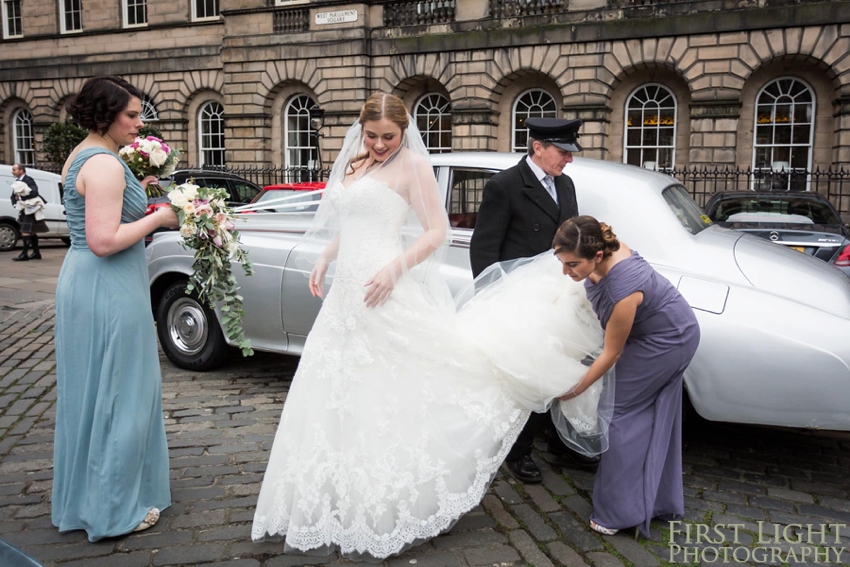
<point x="328" y="533"/>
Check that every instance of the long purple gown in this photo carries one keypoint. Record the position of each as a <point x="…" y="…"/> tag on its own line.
<point x="640" y="475"/>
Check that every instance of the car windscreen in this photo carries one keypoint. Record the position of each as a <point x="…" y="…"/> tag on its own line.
<point x="291" y="202"/>
<point x="774" y="210"/>
<point x="685" y="209"/>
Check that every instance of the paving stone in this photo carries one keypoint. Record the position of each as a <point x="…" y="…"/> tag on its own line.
<point x="535" y="524"/>
<point x="208" y="518"/>
<point x="497" y="554"/>
<point x="227" y="533"/>
<point x="481" y="537"/>
<point x="579" y="506"/>
<point x="506" y="492"/>
<point x="497" y="510"/>
<point x="541" y="498"/>
<point x="771" y="503"/>
<point x="528" y="549"/>
<point x="45" y="553"/>
<point x="161" y="540"/>
<point x="471" y="522"/>
<point x="426" y="559"/>
<point x="555" y="483"/>
<point x="634" y="552"/>
<point x="295" y="561"/>
<point x="189" y="555"/>
<point x="746" y="488"/>
<point x="722" y="496"/>
<point x="599" y="559"/>
<point x="565" y="555"/>
<point x="134" y="559"/>
<point x="746" y="511"/>
<point x="577" y="533"/>
<point x="238" y="563"/>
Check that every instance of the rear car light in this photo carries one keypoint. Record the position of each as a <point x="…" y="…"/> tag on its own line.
<point x="843" y="259"/>
<point x="153" y="207"/>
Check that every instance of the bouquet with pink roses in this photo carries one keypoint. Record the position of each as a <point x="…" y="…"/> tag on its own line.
<point x="150" y="156"/>
<point x="207" y="226"/>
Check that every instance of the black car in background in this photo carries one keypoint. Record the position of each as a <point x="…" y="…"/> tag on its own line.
<point x="804" y="221"/>
<point x="240" y="189"/>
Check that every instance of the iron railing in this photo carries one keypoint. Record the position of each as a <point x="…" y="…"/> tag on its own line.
<point x="423" y="13"/>
<point x="269" y="175"/>
<point x="703" y="182"/>
<point x="518" y="8"/>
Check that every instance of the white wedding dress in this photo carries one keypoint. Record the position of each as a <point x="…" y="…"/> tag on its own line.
<point x="399" y="416"/>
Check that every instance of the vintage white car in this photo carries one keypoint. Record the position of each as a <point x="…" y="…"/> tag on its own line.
<point x="775" y="323"/>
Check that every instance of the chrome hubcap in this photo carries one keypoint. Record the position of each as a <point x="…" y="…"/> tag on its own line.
<point x="7" y="238"/>
<point x="188" y="326"/>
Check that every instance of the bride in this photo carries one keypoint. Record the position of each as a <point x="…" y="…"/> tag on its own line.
<point x="403" y="406"/>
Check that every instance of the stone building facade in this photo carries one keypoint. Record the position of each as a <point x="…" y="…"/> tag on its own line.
<point x="759" y="84"/>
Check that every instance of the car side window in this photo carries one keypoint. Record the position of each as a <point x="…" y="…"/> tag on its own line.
<point x="245" y="191"/>
<point x="465" y="191"/>
<point x="686" y="210"/>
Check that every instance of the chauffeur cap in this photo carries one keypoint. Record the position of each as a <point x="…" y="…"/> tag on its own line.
<point x="557" y="131"/>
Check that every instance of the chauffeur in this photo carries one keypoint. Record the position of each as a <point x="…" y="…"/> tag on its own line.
<point x="520" y="211"/>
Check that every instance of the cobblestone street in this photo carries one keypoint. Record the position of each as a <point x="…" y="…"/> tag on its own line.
<point x="221" y="425"/>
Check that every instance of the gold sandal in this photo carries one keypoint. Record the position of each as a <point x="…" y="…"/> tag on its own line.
<point x="151" y="518"/>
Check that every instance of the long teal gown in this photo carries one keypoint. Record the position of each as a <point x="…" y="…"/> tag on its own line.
<point x="110" y="456"/>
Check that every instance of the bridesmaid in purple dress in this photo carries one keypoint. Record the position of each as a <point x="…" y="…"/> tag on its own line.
<point x="651" y="334"/>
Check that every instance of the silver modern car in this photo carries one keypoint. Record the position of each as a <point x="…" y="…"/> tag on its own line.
<point x="775" y="323"/>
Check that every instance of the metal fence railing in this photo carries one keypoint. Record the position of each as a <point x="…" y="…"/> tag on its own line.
<point x="269" y="175"/>
<point x="703" y="182"/>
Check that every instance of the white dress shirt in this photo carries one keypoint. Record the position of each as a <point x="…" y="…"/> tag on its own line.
<point x="546" y="180"/>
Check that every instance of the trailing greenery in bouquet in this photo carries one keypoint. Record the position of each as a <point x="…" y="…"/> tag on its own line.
<point x="150" y="156"/>
<point x="207" y="225"/>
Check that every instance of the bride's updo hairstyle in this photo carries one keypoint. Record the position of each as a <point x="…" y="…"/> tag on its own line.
<point x="99" y="101"/>
<point x="584" y="236"/>
<point x="378" y="106"/>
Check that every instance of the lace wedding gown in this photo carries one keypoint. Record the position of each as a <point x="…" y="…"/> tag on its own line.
<point x="399" y="416"/>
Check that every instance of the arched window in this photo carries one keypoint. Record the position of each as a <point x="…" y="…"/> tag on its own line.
<point x="650" y="139"/>
<point x="211" y="134"/>
<point x="533" y="103"/>
<point x="149" y="113"/>
<point x="24" y="141"/>
<point x="434" y="121"/>
<point x="299" y="144"/>
<point x="785" y="111"/>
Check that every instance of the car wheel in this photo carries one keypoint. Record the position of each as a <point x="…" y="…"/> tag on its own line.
<point x="189" y="331"/>
<point x="8" y="237"/>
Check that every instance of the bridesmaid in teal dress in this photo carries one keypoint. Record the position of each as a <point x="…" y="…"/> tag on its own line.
<point x="110" y="460"/>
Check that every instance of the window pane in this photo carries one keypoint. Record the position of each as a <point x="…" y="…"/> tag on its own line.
<point x="782" y="134"/>
<point x="651" y="127"/>
<point x="434" y="120"/>
<point x="14" y="21"/>
<point x="300" y="140"/>
<point x="24" y="140"/>
<point x="788" y="104"/>
<point x="211" y="138"/>
<point x="801" y="135"/>
<point x="465" y="196"/>
<point x="535" y="103"/>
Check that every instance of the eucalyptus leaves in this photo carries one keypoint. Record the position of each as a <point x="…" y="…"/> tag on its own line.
<point x="207" y="226"/>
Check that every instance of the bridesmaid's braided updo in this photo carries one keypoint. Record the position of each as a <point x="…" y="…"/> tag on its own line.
<point x="584" y="236"/>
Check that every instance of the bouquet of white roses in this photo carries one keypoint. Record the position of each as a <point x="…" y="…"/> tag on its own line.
<point x="150" y="156"/>
<point x="206" y="225"/>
